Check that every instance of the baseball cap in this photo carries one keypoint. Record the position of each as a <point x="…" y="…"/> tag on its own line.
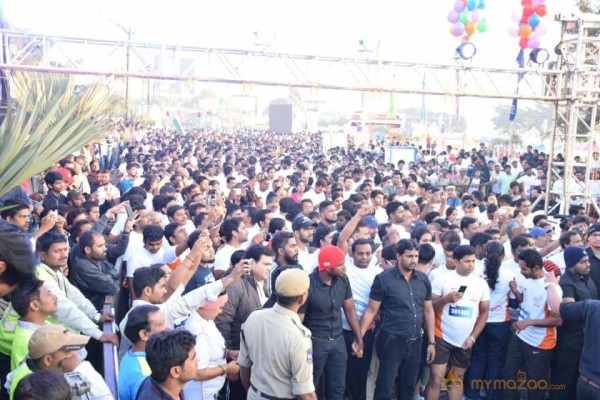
<point x="66" y="174"/>
<point x="50" y="338"/>
<point x="594" y="228"/>
<point x="292" y="282"/>
<point x="450" y="187"/>
<point x="330" y="257"/>
<point x="371" y="221"/>
<point x="537" y="232"/>
<point x="468" y="203"/>
<point x="302" y="223"/>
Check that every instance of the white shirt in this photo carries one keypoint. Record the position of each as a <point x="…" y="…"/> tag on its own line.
<point x="458" y="319"/>
<point x="307" y="261"/>
<point x="210" y="348"/>
<point x="141" y="257"/>
<point x="499" y="311"/>
<point x="316" y="198"/>
<point x="223" y="257"/>
<point x="361" y="280"/>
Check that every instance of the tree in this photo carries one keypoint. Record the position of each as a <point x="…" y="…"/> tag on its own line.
<point x="589" y="6"/>
<point x="535" y="116"/>
<point x="48" y="118"/>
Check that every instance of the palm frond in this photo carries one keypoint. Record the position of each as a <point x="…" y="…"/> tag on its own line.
<point x="48" y="117"/>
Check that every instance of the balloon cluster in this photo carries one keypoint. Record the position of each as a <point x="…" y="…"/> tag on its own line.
<point x="530" y="28"/>
<point x="466" y="18"/>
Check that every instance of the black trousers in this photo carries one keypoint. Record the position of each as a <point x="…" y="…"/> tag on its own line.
<point x="564" y="371"/>
<point x="358" y="368"/>
<point x="526" y="362"/>
<point x="395" y="353"/>
<point x="329" y="362"/>
<point x="585" y="391"/>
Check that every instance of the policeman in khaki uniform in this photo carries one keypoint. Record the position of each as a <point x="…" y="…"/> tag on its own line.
<point x="275" y="348"/>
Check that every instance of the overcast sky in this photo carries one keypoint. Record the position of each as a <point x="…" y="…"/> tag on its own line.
<point x="416" y="31"/>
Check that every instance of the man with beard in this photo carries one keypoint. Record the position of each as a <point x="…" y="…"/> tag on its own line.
<point x="93" y="270"/>
<point x="286" y="257"/>
<point x="327" y="212"/>
<point x="403" y="296"/>
<point x="304" y="231"/>
<point x="329" y="293"/>
<point x="576" y="286"/>
<point x="361" y="274"/>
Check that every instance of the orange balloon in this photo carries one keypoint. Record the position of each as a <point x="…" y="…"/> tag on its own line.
<point x="465" y="39"/>
<point x="525" y="31"/>
<point x="470" y="28"/>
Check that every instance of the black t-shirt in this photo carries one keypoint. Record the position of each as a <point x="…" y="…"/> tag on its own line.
<point x="570" y="336"/>
<point x="323" y="308"/>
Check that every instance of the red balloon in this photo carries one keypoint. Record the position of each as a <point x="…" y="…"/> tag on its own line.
<point x="523" y="43"/>
<point x="528" y="10"/>
<point x="525" y="2"/>
<point x="542" y="10"/>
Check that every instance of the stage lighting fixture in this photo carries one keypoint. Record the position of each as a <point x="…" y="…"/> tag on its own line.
<point x="466" y="50"/>
<point x="539" y="56"/>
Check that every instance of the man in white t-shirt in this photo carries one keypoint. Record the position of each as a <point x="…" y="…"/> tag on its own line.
<point x="530" y="350"/>
<point x="361" y="273"/>
<point x="461" y="301"/>
<point x="235" y="233"/>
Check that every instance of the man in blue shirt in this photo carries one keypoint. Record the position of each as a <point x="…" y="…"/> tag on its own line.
<point x="143" y="321"/>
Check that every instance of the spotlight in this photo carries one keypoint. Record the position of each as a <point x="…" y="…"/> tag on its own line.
<point x="539" y="56"/>
<point x="369" y="44"/>
<point x="466" y="50"/>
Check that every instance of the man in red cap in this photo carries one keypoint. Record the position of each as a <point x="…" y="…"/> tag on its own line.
<point x="328" y="294"/>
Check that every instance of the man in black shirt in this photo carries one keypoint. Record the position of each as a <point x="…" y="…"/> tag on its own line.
<point x="576" y="286"/>
<point x="587" y="313"/>
<point x="594" y="253"/>
<point x="328" y="293"/>
<point x="403" y="295"/>
<point x="286" y="256"/>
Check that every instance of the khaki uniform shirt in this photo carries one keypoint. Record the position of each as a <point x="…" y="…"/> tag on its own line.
<point x="278" y="348"/>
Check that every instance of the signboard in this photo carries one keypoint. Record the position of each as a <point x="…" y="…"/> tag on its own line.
<point x="394" y="154"/>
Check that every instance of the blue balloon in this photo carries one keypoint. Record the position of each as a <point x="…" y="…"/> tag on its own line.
<point x="481" y="4"/>
<point x="534" y="20"/>
<point x="471" y="5"/>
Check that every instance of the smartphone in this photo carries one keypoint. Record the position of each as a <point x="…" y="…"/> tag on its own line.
<point x="462" y="289"/>
<point x="129" y="211"/>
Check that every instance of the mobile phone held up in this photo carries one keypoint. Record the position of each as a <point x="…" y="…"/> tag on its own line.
<point x="462" y="289"/>
<point x="129" y="211"/>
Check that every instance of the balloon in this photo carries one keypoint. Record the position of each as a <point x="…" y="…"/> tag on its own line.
<point x="542" y="10"/>
<point x="481" y="5"/>
<point x="528" y="10"/>
<point x="475" y="15"/>
<point x="465" y="39"/>
<point x="525" y="31"/>
<point x="458" y="29"/>
<point x="525" y="2"/>
<point x="533" y="43"/>
<point x="452" y="157"/>
<point x="482" y="25"/>
<point x="513" y="30"/>
<point x="453" y="16"/>
<point x="523" y="43"/>
<point x="534" y="21"/>
<point x="459" y="6"/>
<point x="471" y="4"/>
<point x="464" y="17"/>
<point x="471" y="28"/>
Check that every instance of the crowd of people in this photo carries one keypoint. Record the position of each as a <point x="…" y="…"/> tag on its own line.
<point x="255" y="265"/>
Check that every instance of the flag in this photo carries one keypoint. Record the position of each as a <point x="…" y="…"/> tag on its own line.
<point x="177" y="123"/>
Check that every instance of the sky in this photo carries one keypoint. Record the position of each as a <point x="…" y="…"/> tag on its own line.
<point x="415" y="31"/>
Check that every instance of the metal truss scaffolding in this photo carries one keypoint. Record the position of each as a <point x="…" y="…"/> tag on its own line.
<point x="572" y="85"/>
<point x="575" y="126"/>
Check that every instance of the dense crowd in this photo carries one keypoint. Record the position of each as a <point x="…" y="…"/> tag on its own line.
<point x="256" y="265"/>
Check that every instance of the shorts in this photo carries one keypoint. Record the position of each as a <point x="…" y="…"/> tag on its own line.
<point x="448" y="353"/>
